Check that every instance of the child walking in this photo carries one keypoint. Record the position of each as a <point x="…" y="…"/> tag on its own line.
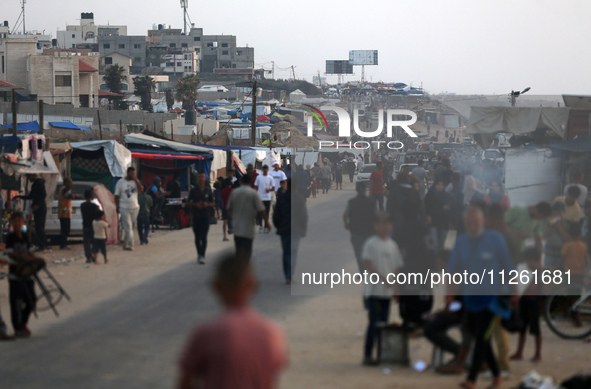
<point x="100" y="226"/>
<point x="529" y="308"/>
<point x="314" y="187"/>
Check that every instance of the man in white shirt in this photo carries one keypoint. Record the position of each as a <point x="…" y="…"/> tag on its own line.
<point x="381" y="256"/>
<point x="278" y="176"/>
<point x="578" y="179"/>
<point x="264" y="185"/>
<point x="126" y="192"/>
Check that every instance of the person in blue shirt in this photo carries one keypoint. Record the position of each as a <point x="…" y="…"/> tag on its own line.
<point x="477" y="251"/>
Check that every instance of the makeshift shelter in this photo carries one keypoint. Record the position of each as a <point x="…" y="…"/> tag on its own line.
<point x="296" y="96"/>
<point x="68" y="126"/>
<point x="29" y="126"/>
<point x="161" y="157"/>
<point x="486" y="122"/>
<point x="102" y="161"/>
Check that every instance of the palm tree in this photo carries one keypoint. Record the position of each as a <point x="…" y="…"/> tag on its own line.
<point x="143" y="88"/>
<point x="113" y="77"/>
<point x="186" y="90"/>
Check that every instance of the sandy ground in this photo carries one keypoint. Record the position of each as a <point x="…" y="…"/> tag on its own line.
<point x="324" y="332"/>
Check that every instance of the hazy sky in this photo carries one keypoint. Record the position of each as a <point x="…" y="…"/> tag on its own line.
<point x="461" y="46"/>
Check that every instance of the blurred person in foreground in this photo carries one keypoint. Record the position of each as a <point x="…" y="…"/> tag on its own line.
<point x="238" y="349"/>
<point x="476" y="250"/>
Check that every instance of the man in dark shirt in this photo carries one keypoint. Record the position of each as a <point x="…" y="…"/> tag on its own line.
<point x="174" y="187"/>
<point x="38" y="196"/>
<point x="200" y="202"/>
<point x="359" y="218"/>
<point x="21" y="291"/>
<point x="88" y="210"/>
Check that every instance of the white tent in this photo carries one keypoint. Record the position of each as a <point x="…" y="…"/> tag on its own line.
<point x="296" y="96"/>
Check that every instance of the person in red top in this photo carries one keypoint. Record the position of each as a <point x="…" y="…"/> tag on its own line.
<point x="376" y="187"/>
<point x="226" y="192"/>
<point x="250" y="170"/>
<point x="238" y="349"/>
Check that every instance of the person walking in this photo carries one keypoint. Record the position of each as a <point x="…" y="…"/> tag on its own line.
<point x="338" y="174"/>
<point x="359" y="219"/>
<point x="476" y="250"/>
<point x="240" y="348"/>
<point x="88" y="209"/>
<point x="264" y="186"/>
<point x="244" y="205"/>
<point x="127" y="206"/>
<point x="201" y="203"/>
<point x="290" y="218"/>
<point x="278" y="176"/>
<point x="38" y="195"/>
<point x="64" y="204"/>
<point x="226" y="192"/>
<point x="381" y="257"/>
<point x="376" y="187"/>
<point x="325" y="173"/>
<point x="100" y="227"/>
<point x="143" y="217"/>
<point x="421" y="174"/>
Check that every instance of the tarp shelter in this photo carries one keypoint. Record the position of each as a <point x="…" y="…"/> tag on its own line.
<point x="9" y="144"/>
<point x="296" y="96"/>
<point x="69" y="126"/>
<point x="581" y="144"/>
<point x="30" y="126"/>
<point x="100" y="161"/>
<point x="488" y="121"/>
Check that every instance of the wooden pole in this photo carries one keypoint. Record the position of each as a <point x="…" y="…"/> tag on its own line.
<point x="98" y="114"/>
<point x="14" y="113"/>
<point x="41" y="119"/>
<point x="171" y="130"/>
<point x="121" y="130"/>
<point x="253" y="114"/>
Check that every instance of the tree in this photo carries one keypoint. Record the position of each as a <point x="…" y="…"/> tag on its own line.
<point x="143" y="88"/>
<point x="113" y="77"/>
<point x="186" y="90"/>
<point x="169" y="98"/>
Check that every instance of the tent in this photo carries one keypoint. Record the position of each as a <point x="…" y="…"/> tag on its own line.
<point x="522" y="120"/>
<point x="102" y="161"/>
<point x="296" y="96"/>
<point x="581" y="144"/>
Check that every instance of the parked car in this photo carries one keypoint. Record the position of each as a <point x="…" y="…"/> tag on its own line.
<point x="52" y="224"/>
<point x="365" y="172"/>
<point x="493" y="155"/>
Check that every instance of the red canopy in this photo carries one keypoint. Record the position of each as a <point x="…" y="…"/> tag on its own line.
<point x="263" y="118"/>
<point x="164" y="156"/>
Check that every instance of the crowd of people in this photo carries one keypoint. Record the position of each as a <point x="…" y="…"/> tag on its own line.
<point x="461" y="218"/>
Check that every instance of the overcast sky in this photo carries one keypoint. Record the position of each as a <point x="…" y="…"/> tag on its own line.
<point x="460" y="46"/>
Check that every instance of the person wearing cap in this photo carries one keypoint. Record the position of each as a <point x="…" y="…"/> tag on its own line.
<point x="264" y="185"/>
<point x="278" y="176"/>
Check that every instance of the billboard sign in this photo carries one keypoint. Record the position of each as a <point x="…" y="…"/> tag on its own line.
<point x="363" y="57"/>
<point x="338" y="67"/>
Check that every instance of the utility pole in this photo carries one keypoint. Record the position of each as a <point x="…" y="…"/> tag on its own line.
<point x="293" y="72"/>
<point x="14" y="119"/>
<point x="41" y="120"/>
<point x="253" y="114"/>
<point x="121" y="131"/>
<point x="24" y="28"/>
<point x="98" y="114"/>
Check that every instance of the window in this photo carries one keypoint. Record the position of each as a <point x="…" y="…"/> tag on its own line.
<point x="73" y="46"/>
<point x="173" y="45"/>
<point x="106" y="46"/>
<point x="224" y="45"/>
<point x="184" y="45"/>
<point x="197" y="50"/>
<point x="63" y="80"/>
<point x="169" y="64"/>
<point x="179" y="64"/>
<point x="225" y="52"/>
<point x="121" y="45"/>
<point x="108" y="60"/>
<point x="137" y="46"/>
<point x="197" y="38"/>
<point x="239" y="52"/>
<point x="73" y="35"/>
<point x="210" y="45"/>
<point x="3" y="66"/>
<point x="137" y="60"/>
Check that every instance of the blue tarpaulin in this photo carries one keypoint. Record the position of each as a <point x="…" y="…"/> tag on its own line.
<point x="68" y="125"/>
<point x="9" y="144"/>
<point x="30" y="126"/>
<point x="581" y="144"/>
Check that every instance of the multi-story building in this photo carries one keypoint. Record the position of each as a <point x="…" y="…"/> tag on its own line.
<point x="180" y="63"/>
<point x="64" y="77"/>
<point x="87" y="33"/>
<point x="130" y="45"/>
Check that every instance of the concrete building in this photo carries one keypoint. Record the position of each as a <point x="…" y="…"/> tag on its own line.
<point x="133" y="46"/>
<point x="14" y="53"/>
<point x="87" y="33"/>
<point x="180" y="63"/>
<point x="63" y="77"/>
<point x="119" y="59"/>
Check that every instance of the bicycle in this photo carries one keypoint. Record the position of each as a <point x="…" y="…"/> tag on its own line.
<point x="568" y="311"/>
